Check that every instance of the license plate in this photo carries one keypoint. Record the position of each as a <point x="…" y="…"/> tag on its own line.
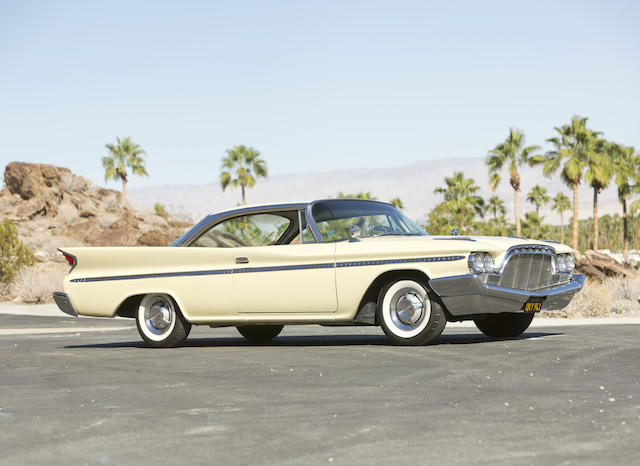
<point x="533" y="305"/>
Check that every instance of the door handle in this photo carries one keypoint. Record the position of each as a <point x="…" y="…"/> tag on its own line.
<point x="242" y="260"/>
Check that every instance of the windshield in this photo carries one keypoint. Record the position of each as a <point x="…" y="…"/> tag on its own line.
<point x="339" y="219"/>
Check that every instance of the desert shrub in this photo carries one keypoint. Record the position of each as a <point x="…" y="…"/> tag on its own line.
<point x="625" y="307"/>
<point x="624" y="288"/>
<point x="616" y="296"/>
<point x="594" y="300"/>
<point x="13" y="253"/>
<point x="111" y="203"/>
<point x="36" y="284"/>
<point x="160" y="210"/>
<point x="45" y="245"/>
<point x="105" y="220"/>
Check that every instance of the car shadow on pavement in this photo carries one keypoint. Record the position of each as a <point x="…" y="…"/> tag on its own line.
<point x="320" y="340"/>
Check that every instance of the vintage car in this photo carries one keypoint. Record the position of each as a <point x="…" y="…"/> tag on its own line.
<point x="328" y="262"/>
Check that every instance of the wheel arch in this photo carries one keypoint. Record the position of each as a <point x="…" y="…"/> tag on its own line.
<point x="368" y="304"/>
<point x="130" y="305"/>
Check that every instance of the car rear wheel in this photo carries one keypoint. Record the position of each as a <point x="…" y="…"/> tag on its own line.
<point x="408" y="315"/>
<point x="504" y="325"/>
<point x="260" y="333"/>
<point x="160" y="322"/>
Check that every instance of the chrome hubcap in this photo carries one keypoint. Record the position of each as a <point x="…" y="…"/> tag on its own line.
<point x="158" y="317"/>
<point x="407" y="309"/>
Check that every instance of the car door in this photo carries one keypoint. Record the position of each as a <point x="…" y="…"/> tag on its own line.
<point x="298" y="277"/>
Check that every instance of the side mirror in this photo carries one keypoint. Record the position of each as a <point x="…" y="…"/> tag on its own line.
<point x="455" y="232"/>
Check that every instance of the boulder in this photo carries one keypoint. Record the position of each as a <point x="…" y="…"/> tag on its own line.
<point x="599" y="265"/>
<point x="155" y="238"/>
<point x="50" y="204"/>
<point x="31" y="180"/>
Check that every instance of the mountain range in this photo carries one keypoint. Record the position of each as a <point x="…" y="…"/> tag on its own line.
<point x="413" y="184"/>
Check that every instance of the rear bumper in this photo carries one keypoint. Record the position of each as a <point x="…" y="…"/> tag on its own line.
<point x="64" y="303"/>
<point x="466" y="295"/>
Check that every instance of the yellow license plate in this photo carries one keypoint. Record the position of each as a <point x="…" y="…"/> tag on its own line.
<point x="533" y="305"/>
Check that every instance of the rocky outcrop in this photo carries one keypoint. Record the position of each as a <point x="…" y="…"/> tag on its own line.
<point x="52" y="207"/>
<point x="599" y="265"/>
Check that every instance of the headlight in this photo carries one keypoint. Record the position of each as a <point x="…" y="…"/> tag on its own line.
<point x="481" y="262"/>
<point x="488" y="263"/>
<point x="561" y="261"/>
<point x="570" y="263"/>
<point x="566" y="263"/>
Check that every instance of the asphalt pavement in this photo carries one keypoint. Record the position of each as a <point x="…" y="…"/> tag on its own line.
<point x="87" y="391"/>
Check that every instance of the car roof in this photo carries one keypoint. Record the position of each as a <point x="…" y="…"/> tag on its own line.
<point x="289" y="205"/>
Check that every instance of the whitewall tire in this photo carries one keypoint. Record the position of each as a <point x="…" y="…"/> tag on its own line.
<point x="408" y="315"/>
<point x="160" y="322"/>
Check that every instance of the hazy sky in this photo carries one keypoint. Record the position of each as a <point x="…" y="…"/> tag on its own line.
<point x="312" y="85"/>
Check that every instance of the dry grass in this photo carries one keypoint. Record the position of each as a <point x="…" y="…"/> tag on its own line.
<point x="111" y="203"/>
<point x="35" y="284"/>
<point x="73" y="183"/>
<point x="105" y="220"/>
<point x="613" y="297"/>
<point x="67" y="213"/>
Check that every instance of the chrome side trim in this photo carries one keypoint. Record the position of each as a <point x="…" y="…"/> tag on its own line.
<point x="63" y="302"/>
<point x="277" y="268"/>
<point x="457" y="238"/>
<point x="399" y="261"/>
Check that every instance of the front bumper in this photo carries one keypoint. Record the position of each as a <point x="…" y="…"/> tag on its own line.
<point x="466" y="295"/>
<point x="64" y="303"/>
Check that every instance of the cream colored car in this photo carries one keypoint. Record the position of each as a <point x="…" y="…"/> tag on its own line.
<point x="328" y="262"/>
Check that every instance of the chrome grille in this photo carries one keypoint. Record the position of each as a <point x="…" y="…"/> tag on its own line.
<point x="527" y="268"/>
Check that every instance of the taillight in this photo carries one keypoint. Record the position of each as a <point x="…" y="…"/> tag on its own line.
<point x="70" y="259"/>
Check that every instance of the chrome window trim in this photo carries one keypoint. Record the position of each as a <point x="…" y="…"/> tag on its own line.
<point x="312" y="223"/>
<point x="302" y="213"/>
<point x="213" y="220"/>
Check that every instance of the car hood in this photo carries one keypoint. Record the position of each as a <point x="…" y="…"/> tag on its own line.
<point x="494" y="244"/>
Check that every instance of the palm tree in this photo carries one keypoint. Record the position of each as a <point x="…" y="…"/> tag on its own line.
<point x="464" y="190"/>
<point x="397" y="202"/>
<point x="561" y="204"/>
<point x="241" y="166"/>
<point x="500" y="226"/>
<point x="599" y="165"/>
<point x="461" y="200"/>
<point x="514" y="153"/>
<point x="532" y="224"/>
<point x="627" y="171"/>
<point x="122" y="155"/>
<point x="495" y="205"/>
<point x="571" y="145"/>
<point x="538" y="196"/>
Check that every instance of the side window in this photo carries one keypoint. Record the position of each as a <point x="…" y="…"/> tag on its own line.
<point x="250" y="230"/>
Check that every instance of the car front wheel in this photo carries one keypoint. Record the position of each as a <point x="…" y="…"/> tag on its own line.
<point x="504" y="325"/>
<point x="260" y="333"/>
<point x="407" y="314"/>
<point x="160" y="322"/>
